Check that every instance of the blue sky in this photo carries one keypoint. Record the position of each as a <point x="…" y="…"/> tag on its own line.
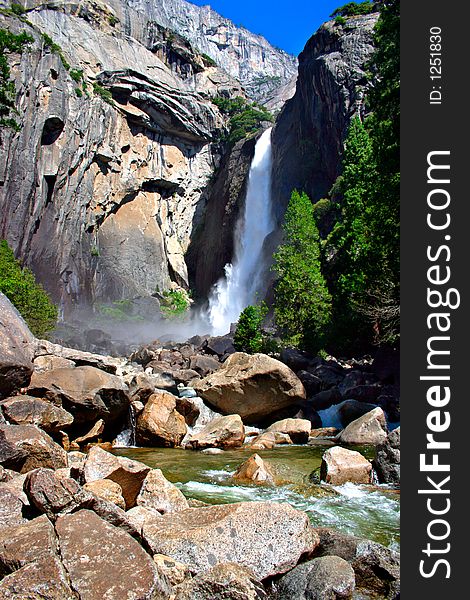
<point x="287" y="24"/>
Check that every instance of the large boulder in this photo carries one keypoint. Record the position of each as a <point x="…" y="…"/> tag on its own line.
<point x="25" y="447"/>
<point x="87" y="392"/>
<point x="204" y="365"/>
<point x="266" y="537"/>
<point x="323" y="578"/>
<point x="105" y="562"/>
<point x="160" y="424"/>
<point x="16" y="349"/>
<point x="11" y="507"/>
<point x="340" y="465"/>
<point x="254" y="470"/>
<point x="158" y="494"/>
<point x="107" y="490"/>
<point x="370" y="429"/>
<point x="297" y="429"/>
<point x="350" y="410"/>
<point x="129" y="474"/>
<point x="221" y="432"/>
<point x="30" y="563"/>
<point x="268" y="440"/>
<point x="27" y="410"/>
<point x="387" y="458"/>
<point x="222" y="582"/>
<point x="252" y="386"/>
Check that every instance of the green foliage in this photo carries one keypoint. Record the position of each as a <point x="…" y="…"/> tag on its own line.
<point x="113" y="20"/>
<point x="175" y="304"/>
<point x="302" y="302"/>
<point x="17" y="9"/>
<point x="249" y="335"/>
<point x="245" y="118"/>
<point x="20" y="286"/>
<point x="94" y="251"/>
<point x="9" y="42"/>
<point x="76" y="75"/>
<point x="119" y="311"/>
<point x="103" y="93"/>
<point x="78" y="92"/>
<point x="340" y="20"/>
<point x="352" y="9"/>
<point x="208" y="61"/>
<point x="55" y="49"/>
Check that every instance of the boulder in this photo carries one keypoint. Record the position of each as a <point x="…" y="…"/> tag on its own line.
<point x="30" y="561"/>
<point x="355" y="379"/>
<point x="204" y="365"/>
<point x="324" y="432"/>
<point x="266" y="537"/>
<point x="364" y="393"/>
<point x="184" y="376"/>
<point x="340" y="465"/>
<point x="139" y="515"/>
<point x="189" y="409"/>
<point x="129" y="474"/>
<point x="221" y="345"/>
<point x="105" y="562"/>
<point x="295" y="359"/>
<point x="175" y="571"/>
<point x="87" y="392"/>
<point x="325" y="399"/>
<point x="160" y="424"/>
<point x="107" y="490"/>
<point x="49" y="362"/>
<point x="92" y="435"/>
<point x="330" y="374"/>
<point x="27" y="410"/>
<point x="16" y="349"/>
<point x="222" y="432"/>
<point x="371" y="429"/>
<point x="297" y="429"/>
<point x="223" y="582"/>
<point x="311" y="382"/>
<point x="252" y="386"/>
<point x="323" y="578"/>
<point x="269" y="439"/>
<point x="25" y="447"/>
<point x="159" y="495"/>
<point x="387" y="459"/>
<point x="350" y="410"/>
<point x="11" y="507"/>
<point x="254" y="470"/>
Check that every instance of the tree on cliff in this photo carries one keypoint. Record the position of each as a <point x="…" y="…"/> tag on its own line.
<point x="20" y="286"/>
<point x="302" y="302"/>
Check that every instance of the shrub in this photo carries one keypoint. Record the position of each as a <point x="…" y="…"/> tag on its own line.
<point x="76" y="75"/>
<point x="112" y="20"/>
<point x="56" y="49"/>
<point x="29" y="297"/>
<point x="17" y="9"/>
<point x="245" y="117"/>
<point x="103" y="93"/>
<point x="248" y="335"/>
<point x="352" y="9"/>
<point x="175" y="304"/>
<point x="208" y="61"/>
<point x="340" y="20"/>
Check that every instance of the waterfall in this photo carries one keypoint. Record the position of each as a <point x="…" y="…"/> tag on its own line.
<point x="126" y="438"/>
<point x="243" y="278"/>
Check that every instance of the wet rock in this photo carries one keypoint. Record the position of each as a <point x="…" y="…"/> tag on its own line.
<point x="129" y="474"/>
<point x="160" y="424"/>
<point x="16" y="349"/>
<point x="222" y="582"/>
<point x="324" y="432"/>
<point x="350" y="410"/>
<point x="189" y="409"/>
<point x="340" y="465"/>
<point x="27" y="410"/>
<point x="297" y="429"/>
<point x="204" y="365"/>
<point x="175" y="571"/>
<point x="253" y="386"/>
<point x="25" y="447"/>
<point x="324" y="578"/>
<point x="325" y="399"/>
<point x="377" y="569"/>
<point x="104" y="562"/>
<point x="387" y="458"/>
<point x="371" y="429"/>
<point x="107" y="490"/>
<point x="29" y="561"/>
<point x="221" y="432"/>
<point x="88" y="393"/>
<point x="159" y="495"/>
<point x="336" y="543"/>
<point x="269" y="439"/>
<point x="256" y="470"/>
<point x="267" y="537"/>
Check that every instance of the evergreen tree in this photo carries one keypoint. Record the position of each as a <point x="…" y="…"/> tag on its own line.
<point x="20" y="286"/>
<point x="248" y="335"/>
<point x="302" y="301"/>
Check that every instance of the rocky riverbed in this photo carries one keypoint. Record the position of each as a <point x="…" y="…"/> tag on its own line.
<point x="240" y="492"/>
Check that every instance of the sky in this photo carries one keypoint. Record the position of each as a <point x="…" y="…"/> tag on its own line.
<point x="287" y="24"/>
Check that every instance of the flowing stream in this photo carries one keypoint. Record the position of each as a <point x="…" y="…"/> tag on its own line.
<point x="243" y="278"/>
<point x="368" y="512"/>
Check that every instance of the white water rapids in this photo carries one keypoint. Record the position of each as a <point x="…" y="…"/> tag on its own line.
<point x="243" y="278"/>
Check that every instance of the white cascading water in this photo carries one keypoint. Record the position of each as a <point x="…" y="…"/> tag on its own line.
<point x="243" y="277"/>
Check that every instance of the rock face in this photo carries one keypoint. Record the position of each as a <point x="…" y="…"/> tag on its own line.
<point x="308" y="137"/>
<point x="105" y="562"/>
<point x="16" y="349"/>
<point x="387" y="458"/>
<point x="25" y="447"/>
<point x="222" y="432"/>
<point x="88" y="393"/>
<point x="371" y="428"/>
<point x="324" y="578"/>
<point x="266" y="537"/>
<point x="253" y="386"/>
<point x="340" y="465"/>
<point x="160" y="424"/>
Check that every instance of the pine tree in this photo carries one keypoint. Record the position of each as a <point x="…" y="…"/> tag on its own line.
<point x="248" y="335"/>
<point x="302" y="301"/>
